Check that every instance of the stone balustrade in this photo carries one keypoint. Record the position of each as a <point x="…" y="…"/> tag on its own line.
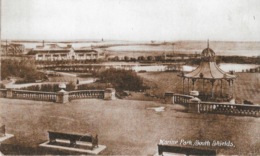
<point x="196" y="106"/>
<point x="59" y="97"/>
<point x="229" y="109"/>
<point x="83" y="94"/>
<point x="181" y="99"/>
<point x="34" y="95"/>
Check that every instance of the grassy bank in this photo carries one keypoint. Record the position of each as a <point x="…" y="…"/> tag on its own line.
<point x="246" y="85"/>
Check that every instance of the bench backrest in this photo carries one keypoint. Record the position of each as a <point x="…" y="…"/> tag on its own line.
<point x="184" y="150"/>
<point x="75" y="137"/>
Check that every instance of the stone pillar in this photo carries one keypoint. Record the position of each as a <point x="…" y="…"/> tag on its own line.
<point x="173" y="99"/>
<point x="168" y="98"/>
<point x="62" y="96"/>
<point x="9" y="93"/>
<point x="194" y="106"/>
<point x="110" y="94"/>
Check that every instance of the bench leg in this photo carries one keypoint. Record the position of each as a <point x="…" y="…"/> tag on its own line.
<point x="52" y="140"/>
<point x="73" y="143"/>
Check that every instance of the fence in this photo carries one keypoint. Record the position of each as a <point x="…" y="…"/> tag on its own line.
<point x="34" y="95"/>
<point x="229" y="109"/>
<point x="83" y="94"/>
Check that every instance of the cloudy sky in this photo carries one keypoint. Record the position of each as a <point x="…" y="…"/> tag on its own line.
<point x="167" y="20"/>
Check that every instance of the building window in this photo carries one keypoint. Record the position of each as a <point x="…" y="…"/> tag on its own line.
<point x="81" y="55"/>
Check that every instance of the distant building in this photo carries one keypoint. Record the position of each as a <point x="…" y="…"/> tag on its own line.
<point x="12" y="49"/>
<point x="54" y="52"/>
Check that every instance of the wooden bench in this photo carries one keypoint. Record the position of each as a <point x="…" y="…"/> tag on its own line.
<point x="73" y="138"/>
<point x="184" y="150"/>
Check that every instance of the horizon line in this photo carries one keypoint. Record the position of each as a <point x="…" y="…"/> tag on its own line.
<point x="105" y="40"/>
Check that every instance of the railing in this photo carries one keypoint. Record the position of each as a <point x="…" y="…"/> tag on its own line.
<point x="34" y="95"/>
<point x="99" y="94"/>
<point x="181" y="99"/>
<point x="229" y="109"/>
<point x="3" y="92"/>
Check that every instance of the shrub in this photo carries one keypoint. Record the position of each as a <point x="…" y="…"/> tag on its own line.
<point x="70" y="86"/>
<point x="95" y="86"/>
<point x="43" y="87"/>
<point x="122" y="79"/>
<point x="32" y="88"/>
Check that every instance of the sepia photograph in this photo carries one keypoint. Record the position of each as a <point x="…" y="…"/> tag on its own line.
<point x="130" y="77"/>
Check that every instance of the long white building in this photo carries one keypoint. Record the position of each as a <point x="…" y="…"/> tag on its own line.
<point x="54" y="52"/>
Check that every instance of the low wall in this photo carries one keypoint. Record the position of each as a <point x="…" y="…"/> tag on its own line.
<point x="59" y="97"/>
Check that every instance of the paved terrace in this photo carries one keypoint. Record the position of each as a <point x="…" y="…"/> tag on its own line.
<point x="124" y="126"/>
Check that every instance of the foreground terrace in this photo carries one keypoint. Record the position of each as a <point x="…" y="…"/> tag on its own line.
<point x="124" y="126"/>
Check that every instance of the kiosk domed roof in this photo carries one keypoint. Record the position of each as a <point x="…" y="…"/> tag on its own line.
<point x="208" y="53"/>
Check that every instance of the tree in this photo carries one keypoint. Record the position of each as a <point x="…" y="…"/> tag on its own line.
<point x="116" y="58"/>
<point x="150" y="58"/>
<point x="160" y="58"/>
<point x="133" y="59"/>
<point x="25" y="69"/>
<point x="126" y="58"/>
<point x="141" y="58"/>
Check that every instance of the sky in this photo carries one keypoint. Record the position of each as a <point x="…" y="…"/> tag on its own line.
<point x="139" y="20"/>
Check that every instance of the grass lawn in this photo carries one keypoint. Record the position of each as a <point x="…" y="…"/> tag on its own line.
<point x="126" y="127"/>
<point x="247" y="85"/>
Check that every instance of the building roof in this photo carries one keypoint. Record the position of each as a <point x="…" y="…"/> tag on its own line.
<point x="208" y="68"/>
<point x="85" y="50"/>
<point x="52" y="47"/>
<point x="55" y="48"/>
